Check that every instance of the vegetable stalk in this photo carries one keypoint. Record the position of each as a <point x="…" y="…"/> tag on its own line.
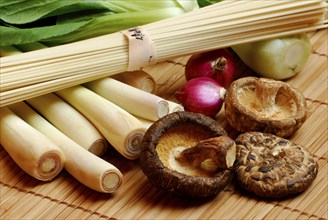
<point x="133" y="100"/>
<point x="32" y="151"/>
<point x="123" y="131"/>
<point x="147" y="123"/>
<point x="138" y="79"/>
<point x="125" y="139"/>
<point x="68" y="21"/>
<point x="175" y="107"/>
<point x="87" y="168"/>
<point x="62" y="115"/>
<point x="71" y="122"/>
<point x="277" y="58"/>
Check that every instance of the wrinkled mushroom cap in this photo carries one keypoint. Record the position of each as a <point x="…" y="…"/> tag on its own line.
<point x="176" y="130"/>
<point x="266" y="105"/>
<point x="271" y="166"/>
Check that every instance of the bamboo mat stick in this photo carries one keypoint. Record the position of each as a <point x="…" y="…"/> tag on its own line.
<point x="316" y="199"/>
<point x="193" y="32"/>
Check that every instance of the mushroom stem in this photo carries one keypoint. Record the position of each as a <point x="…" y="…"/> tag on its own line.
<point x="266" y="91"/>
<point x="221" y="150"/>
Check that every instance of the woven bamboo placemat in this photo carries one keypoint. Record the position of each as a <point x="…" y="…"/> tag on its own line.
<point x="22" y="197"/>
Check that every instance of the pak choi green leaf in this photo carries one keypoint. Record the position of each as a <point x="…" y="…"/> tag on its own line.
<point x="14" y="36"/>
<point x="64" y="21"/>
<point x="111" y="23"/>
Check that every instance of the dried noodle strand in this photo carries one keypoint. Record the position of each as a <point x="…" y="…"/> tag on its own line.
<point x="220" y="25"/>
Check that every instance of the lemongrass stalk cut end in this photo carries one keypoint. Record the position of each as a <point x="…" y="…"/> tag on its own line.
<point x="133" y="144"/>
<point x="162" y="108"/>
<point x="148" y="86"/>
<point x="175" y="107"/>
<point x="33" y="152"/>
<point x="99" y="147"/>
<point x="49" y="166"/>
<point x="138" y="79"/>
<point x="111" y="181"/>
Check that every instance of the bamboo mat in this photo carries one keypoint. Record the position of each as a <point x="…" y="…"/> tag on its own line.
<point x="22" y="197"/>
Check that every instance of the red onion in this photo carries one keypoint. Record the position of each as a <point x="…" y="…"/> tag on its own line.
<point x="217" y="64"/>
<point x="202" y="95"/>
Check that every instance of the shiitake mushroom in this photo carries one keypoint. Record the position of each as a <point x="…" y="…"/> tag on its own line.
<point x="265" y="105"/>
<point x="171" y="135"/>
<point x="273" y="167"/>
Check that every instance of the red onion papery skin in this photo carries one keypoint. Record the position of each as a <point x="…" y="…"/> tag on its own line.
<point x="201" y="95"/>
<point x="217" y="64"/>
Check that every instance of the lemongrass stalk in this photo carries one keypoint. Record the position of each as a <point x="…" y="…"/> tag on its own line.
<point x="138" y="79"/>
<point x="32" y="151"/>
<point x="67" y="119"/>
<point x="122" y="130"/>
<point x="71" y="122"/>
<point x="175" y="107"/>
<point x="87" y="168"/>
<point x="147" y="123"/>
<point x="133" y="100"/>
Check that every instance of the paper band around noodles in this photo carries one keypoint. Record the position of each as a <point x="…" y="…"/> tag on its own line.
<point x="141" y="48"/>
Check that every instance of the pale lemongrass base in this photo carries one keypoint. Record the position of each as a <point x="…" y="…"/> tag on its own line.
<point x="162" y="108"/>
<point x="133" y="141"/>
<point x="111" y="181"/>
<point x="148" y="85"/>
<point x="99" y="147"/>
<point x="49" y="165"/>
<point x="175" y="107"/>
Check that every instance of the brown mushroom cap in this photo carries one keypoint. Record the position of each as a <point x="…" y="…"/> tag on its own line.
<point x="266" y="105"/>
<point x="271" y="166"/>
<point x="180" y="129"/>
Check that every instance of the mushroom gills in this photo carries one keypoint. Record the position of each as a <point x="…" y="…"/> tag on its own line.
<point x="265" y="105"/>
<point x="166" y="139"/>
<point x="282" y="107"/>
<point x="177" y="139"/>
